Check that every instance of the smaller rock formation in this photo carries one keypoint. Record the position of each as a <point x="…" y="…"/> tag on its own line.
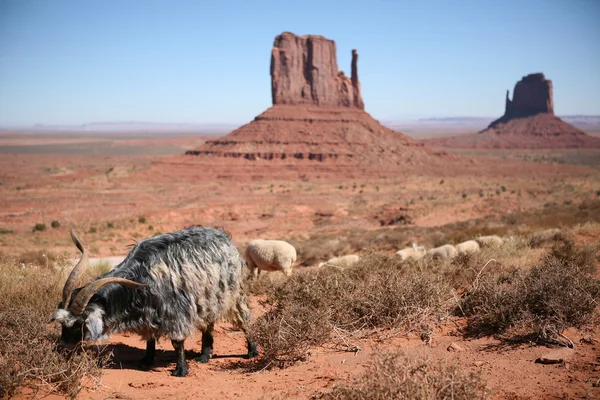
<point x="528" y="123"/>
<point x="532" y="95"/>
<point x="304" y="70"/>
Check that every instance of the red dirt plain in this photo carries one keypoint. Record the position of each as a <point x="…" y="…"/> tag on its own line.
<point x="102" y="190"/>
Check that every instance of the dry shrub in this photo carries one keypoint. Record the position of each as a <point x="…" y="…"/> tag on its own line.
<point x="28" y="296"/>
<point x="541" y="238"/>
<point x="286" y="334"/>
<point x="560" y="292"/>
<point x="394" y="375"/>
<point x="42" y="258"/>
<point x="379" y="292"/>
<point x="265" y="282"/>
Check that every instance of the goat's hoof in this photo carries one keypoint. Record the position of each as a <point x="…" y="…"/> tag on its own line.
<point x="180" y="371"/>
<point x="203" y="358"/>
<point x="252" y="351"/>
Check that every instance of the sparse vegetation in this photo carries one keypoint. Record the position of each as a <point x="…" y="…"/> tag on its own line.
<point x="4" y="231"/>
<point x="110" y="225"/>
<point x="28" y="353"/>
<point x="142" y="220"/>
<point x="379" y="292"/>
<point x="39" y="227"/>
<point x="55" y="224"/>
<point x="560" y="292"/>
<point x="93" y="229"/>
<point x="395" y="375"/>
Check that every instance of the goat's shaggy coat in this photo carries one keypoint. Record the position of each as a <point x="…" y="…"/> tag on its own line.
<point x="192" y="278"/>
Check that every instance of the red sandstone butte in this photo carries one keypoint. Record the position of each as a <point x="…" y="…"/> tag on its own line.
<point x="304" y="70"/>
<point x="317" y="117"/>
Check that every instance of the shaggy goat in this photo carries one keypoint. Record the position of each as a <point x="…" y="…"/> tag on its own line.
<point x="168" y="285"/>
<point x="270" y="255"/>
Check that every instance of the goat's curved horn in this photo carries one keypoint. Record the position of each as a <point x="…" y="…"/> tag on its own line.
<point x="84" y="296"/>
<point x="74" y="275"/>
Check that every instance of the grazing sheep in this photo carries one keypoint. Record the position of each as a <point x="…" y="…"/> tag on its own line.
<point x="341" y="262"/>
<point x="411" y="252"/>
<point x="489" y="241"/>
<point x="168" y="285"/>
<point x="270" y="255"/>
<point x="468" y="247"/>
<point x="444" y="252"/>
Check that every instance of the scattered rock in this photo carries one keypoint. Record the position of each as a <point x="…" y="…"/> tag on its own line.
<point x="455" y="347"/>
<point x="556" y="356"/>
<point x="479" y="363"/>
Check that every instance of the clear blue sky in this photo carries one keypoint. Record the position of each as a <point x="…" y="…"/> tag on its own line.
<point x="79" y="61"/>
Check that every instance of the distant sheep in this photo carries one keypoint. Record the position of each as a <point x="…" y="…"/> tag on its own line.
<point x="444" y="252"/>
<point x="490" y="241"/>
<point x="411" y="252"/>
<point x="270" y="255"/>
<point x="468" y="247"/>
<point x="341" y="262"/>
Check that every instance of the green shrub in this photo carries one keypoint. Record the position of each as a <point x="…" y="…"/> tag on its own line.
<point x="55" y="224"/>
<point x="39" y="227"/>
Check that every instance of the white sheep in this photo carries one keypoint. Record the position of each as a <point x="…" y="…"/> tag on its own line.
<point x="489" y="241"/>
<point x="411" y="252"/>
<point x="270" y="255"/>
<point x="444" y="252"/>
<point x="341" y="262"/>
<point x="468" y="247"/>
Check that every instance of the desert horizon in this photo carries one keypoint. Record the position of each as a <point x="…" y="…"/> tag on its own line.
<point x="329" y="201"/>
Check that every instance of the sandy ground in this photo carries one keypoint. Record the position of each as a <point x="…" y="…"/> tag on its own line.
<point x="115" y="199"/>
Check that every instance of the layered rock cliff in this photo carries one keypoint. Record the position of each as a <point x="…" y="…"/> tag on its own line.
<point x="304" y="70"/>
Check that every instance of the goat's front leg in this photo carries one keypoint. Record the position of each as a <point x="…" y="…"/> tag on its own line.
<point x="181" y="368"/>
<point x="148" y="359"/>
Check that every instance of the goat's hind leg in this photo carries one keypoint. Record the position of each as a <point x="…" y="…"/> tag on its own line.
<point x="242" y="319"/>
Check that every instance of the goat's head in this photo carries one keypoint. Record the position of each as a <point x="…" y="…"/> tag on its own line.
<point x="80" y="320"/>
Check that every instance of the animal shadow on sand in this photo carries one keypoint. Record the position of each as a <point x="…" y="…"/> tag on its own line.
<point x="124" y="356"/>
